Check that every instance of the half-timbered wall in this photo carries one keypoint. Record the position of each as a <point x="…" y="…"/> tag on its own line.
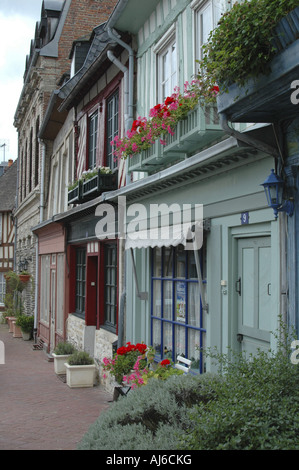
<point x="6" y="241"/>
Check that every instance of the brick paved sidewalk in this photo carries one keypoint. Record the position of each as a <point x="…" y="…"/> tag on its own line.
<point x="37" y="410"/>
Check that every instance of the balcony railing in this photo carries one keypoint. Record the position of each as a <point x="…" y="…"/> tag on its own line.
<point x="92" y="188"/>
<point x="199" y="129"/>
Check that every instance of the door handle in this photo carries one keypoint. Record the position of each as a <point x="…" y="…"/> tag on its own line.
<point x="238" y="286"/>
<point x="239" y="337"/>
<point x="269" y="288"/>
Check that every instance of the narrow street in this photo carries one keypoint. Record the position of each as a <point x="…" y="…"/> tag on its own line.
<point x="38" y="411"/>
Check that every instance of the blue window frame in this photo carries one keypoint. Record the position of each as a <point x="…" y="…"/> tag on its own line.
<point x="177" y="320"/>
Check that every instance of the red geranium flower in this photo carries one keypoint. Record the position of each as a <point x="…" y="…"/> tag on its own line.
<point x="165" y="362"/>
<point x="169" y="100"/>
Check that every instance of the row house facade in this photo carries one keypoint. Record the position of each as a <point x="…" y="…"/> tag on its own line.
<point x="103" y="278"/>
<point x="82" y="291"/>
<point x="47" y="65"/>
<point x="227" y="293"/>
<point x="8" y="184"/>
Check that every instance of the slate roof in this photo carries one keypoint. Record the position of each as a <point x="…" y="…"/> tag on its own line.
<point x="8" y="188"/>
<point x="99" y="41"/>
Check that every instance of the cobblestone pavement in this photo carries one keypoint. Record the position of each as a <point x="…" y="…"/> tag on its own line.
<point x="38" y="411"/>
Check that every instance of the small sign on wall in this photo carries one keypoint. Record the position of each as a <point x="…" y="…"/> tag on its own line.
<point x="244" y="218"/>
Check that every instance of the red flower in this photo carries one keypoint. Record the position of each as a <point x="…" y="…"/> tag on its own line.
<point x="121" y="351"/>
<point x="165" y="362"/>
<point x="169" y="100"/>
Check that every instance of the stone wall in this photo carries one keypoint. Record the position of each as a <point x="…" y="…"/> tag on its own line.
<point x="103" y="346"/>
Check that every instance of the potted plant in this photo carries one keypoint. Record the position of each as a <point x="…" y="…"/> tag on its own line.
<point x="24" y="277"/>
<point x="80" y="370"/>
<point x="26" y="324"/>
<point x="60" y="354"/>
<point x="124" y="360"/>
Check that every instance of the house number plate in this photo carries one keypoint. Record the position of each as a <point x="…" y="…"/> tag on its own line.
<point x="245" y="218"/>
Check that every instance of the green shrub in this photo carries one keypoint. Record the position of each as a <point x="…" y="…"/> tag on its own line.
<point x="25" y="322"/>
<point x="64" y="348"/>
<point x="80" y="358"/>
<point x="255" y="407"/>
<point x="241" y="46"/>
<point x="251" y="404"/>
<point x="151" y="417"/>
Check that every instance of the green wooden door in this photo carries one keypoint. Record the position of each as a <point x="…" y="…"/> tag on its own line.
<point x="253" y="289"/>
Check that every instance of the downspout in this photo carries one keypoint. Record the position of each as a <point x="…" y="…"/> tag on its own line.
<point x="130" y="84"/>
<point x="129" y="87"/>
<point x="41" y="218"/>
<point x="42" y="182"/>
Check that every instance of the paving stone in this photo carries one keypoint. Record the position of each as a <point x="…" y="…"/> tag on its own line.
<point x="38" y="411"/>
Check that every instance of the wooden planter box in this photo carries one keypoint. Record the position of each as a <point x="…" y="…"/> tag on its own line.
<point x="98" y="184"/>
<point x="75" y="194"/>
<point x="197" y="130"/>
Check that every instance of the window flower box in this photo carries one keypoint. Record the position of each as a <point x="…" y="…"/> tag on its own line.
<point x="98" y="184"/>
<point x="267" y="98"/>
<point x="198" y="129"/>
<point x="75" y="194"/>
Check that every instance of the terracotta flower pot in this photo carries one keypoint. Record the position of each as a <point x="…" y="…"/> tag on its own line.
<point x="24" y="278"/>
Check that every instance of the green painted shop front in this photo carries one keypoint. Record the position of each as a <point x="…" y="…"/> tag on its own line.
<point x="240" y="264"/>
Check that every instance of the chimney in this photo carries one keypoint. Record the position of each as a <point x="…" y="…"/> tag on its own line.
<point x="10" y="162"/>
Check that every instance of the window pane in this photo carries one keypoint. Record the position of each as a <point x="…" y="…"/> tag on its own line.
<point x="180" y="341"/>
<point x="112" y="128"/>
<point x="93" y="135"/>
<point x="157" y="336"/>
<point x="180" y="301"/>
<point x="193" y="305"/>
<point x="110" y="284"/>
<point x="194" y="348"/>
<point x="157" y="258"/>
<point x="168" y="262"/>
<point x="192" y="272"/>
<point x="167" y="340"/>
<point x="167" y="300"/>
<point x="80" y="280"/>
<point x="156" y="307"/>
<point x="167" y="71"/>
<point x="181" y="262"/>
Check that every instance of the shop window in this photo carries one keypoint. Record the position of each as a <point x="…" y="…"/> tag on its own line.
<point x="110" y="285"/>
<point x="80" y="281"/>
<point x="177" y="319"/>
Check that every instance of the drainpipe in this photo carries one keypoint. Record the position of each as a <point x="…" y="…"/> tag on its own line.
<point x="124" y="69"/>
<point x="42" y="182"/>
<point x="131" y="77"/>
<point x="41" y="217"/>
<point x="129" y="110"/>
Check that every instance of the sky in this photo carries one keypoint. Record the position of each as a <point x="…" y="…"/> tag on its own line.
<point x="17" y="28"/>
